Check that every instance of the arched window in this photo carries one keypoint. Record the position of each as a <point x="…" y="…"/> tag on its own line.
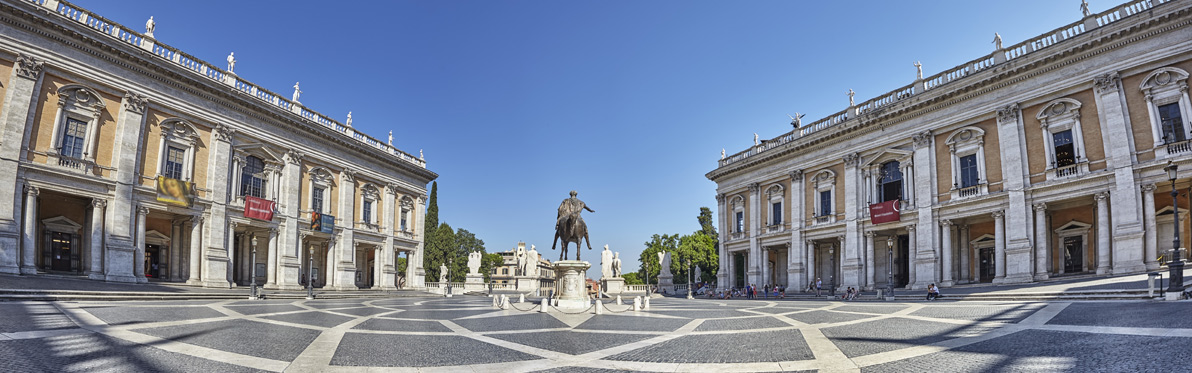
<point x="890" y="182"/>
<point x="252" y="178"/>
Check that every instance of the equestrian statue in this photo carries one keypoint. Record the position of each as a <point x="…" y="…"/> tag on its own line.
<point x="570" y="227"/>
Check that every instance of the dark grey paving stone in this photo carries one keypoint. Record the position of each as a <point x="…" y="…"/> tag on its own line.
<point x="360" y="349"/>
<point x="262" y="302"/>
<point x="725" y="348"/>
<point x="638" y="323"/>
<point x="439" y="315"/>
<point x="777" y="310"/>
<point x="1009" y="314"/>
<point x="313" y="318"/>
<point x="390" y="325"/>
<point x="761" y="322"/>
<point x="1054" y="351"/>
<point x="141" y="315"/>
<point x="878" y="309"/>
<point x="1128" y="314"/>
<point x="705" y="314"/>
<point x="96" y="352"/>
<point x="263" y="309"/>
<point x="826" y="317"/>
<point x="32" y="316"/>
<point x="578" y="370"/>
<point x="241" y="336"/>
<point x="894" y="333"/>
<point x="573" y="343"/>
<point x="364" y="311"/>
<point x="515" y="322"/>
<point x="324" y="306"/>
<point x="126" y="303"/>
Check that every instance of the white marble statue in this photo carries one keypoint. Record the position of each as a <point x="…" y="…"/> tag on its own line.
<point x="851" y="103"/>
<point x="390" y="137"/>
<point x="919" y="66"/>
<point x="616" y="265"/>
<point x="520" y="256"/>
<point x="420" y="154"/>
<point x="721" y="153"/>
<point x="664" y="259"/>
<point x="1084" y="8"/>
<point x="349" y="122"/>
<point x="149" y="26"/>
<point x="755" y="142"/>
<point x="606" y="263"/>
<point x="997" y="41"/>
<point x="232" y="62"/>
<point x="297" y="93"/>
<point x="443" y="272"/>
<point x="474" y="262"/>
<point x="532" y="260"/>
<point x="699" y="274"/>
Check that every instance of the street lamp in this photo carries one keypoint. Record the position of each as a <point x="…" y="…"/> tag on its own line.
<point x="890" y="266"/>
<point x="1175" y="266"/>
<point x="310" y="278"/>
<point x="832" y="276"/>
<point x="689" y="279"/>
<point x="253" y="270"/>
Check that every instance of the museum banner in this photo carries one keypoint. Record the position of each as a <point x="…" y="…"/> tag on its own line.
<point x="258" y="208"/>
<point x="175" y="192"/>
<point x="883" y="212"/>
<point x="322" y="222"/>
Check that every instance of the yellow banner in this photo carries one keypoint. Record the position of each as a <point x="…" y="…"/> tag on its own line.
<point x="175" y="192"/>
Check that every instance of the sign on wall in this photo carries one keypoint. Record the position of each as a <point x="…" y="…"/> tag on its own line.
<point x="175" y="192"/>
<point x="883" y="212"/>
<point x="257" y="208"/>
<point x="322" y="223"/>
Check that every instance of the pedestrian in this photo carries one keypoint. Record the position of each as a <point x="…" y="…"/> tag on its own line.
<point x="932" y="292"/>
<point x="782" y="292"/>
<point x="818" y="286"/>
<point x="766" y="291"/>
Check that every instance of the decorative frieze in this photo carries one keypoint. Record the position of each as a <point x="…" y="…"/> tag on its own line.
<point x="29" y="67"/>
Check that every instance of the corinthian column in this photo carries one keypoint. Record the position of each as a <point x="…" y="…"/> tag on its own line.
<point x="1042" y="243"/>
<point x="999" y="246"/>
<point x="1150" y="243"/>
<point x="1103" y="249"/>
<point x="946" y="265"/>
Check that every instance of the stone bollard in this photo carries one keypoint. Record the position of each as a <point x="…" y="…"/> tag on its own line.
<point x="599" y="305"/>
<point x="618" y="299"/>
<point x="495" y="304"/>
<point x="647" y="303"/>
<point x="521" y="298"/>
<point x="545" y="306"/>
<point x="637" y="303"/>
<point x="504" y="302"/>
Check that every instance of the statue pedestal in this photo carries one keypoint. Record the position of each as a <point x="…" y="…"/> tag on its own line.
<point x="527" y="284"/>
<point x="666" y="284"/>
<point x="612" y="286"/>
<point x="573" y="292"/>
<point x="474" y="282"/>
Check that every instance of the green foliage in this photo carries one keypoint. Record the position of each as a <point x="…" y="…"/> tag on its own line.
<point x="701" y="247"/>
<point x="439" y="249"/>
<point x="649" y="257"/>
<point x="432" y="208"/>
<point x="706" y="226"/>
<point x="488" y="262"/>
<point x="465" y="242"/>
<point x="633" y="278"/>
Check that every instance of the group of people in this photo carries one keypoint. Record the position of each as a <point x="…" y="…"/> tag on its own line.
<point x="779" y="292"/>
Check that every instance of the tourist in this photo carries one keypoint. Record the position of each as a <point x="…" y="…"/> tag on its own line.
<point x="818" y="286"/>
<point x="782" y="292"/>
<point x="932" y="292"/>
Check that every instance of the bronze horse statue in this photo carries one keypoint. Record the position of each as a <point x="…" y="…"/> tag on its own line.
<point x="570" y="227"/>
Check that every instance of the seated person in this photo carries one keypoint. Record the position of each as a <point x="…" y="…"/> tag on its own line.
<point x="932" y="292"/>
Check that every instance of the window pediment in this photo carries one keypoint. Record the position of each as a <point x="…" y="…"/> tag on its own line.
<point x="62" y="224"/>
<point x="890" y="154"/>
<point x="964" y="138"/>
<point x="80" y="97"/>
<point x="1163" y="80"/>
<point x="180" y="129"/>
<point x="1074" y="227"/>
<point x="1058" y="111"/>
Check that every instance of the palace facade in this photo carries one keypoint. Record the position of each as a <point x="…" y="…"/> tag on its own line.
<point x="125" y="159"/>
<point x="1043" y="159"/>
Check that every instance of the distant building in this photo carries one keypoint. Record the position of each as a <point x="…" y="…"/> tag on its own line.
<point x="507" y="273"/>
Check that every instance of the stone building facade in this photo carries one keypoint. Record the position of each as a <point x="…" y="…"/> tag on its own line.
<point x="1045" y="158"/>
<point x="125" y="159"/>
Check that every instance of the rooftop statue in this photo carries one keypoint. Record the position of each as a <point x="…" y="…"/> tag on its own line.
<point x="570" y="227"/>
<point x="349" y="122"/>
<point x="1084" y="8"/>
<point x="851" y="103"/>
<point x="232" y="62"/>
<point x="296" y="93"/>
<point x="919" y="66"/>
<point x="149" y="26"/>
<point x="997" y="41"/>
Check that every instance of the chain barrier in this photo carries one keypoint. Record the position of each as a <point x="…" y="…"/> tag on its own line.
<point x="514" y="305"/>
<point x="590" y="307"/>
<point x="628" y="307"/>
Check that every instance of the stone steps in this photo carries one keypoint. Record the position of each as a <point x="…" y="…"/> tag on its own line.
<point x="78" y="295"/>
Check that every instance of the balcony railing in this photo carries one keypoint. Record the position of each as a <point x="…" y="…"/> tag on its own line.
<point x="775" y="228"/>
<point x="969" y="191"/>
<point x="1066" y="171"/>
<point x="825" y="219"/>
<point x="1179" y="147"/>
<point x="739" y="235"/>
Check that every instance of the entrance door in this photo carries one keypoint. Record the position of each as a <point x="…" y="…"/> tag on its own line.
<point x="1073" y="254"/>
<point x="902" y="258"/>
<point x="152" y="261"/>
<point x="60" y="253"/>
<point x="986" y="265"/>
<point x="739" y="272"/>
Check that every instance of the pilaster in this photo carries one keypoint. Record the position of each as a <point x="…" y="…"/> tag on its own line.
<point x="289" y="264"/>
<point x="924" y="168"/>
<point x="851" y="265"/>
<point x="1126" y="208"/>
<point x="755" y="229"/>
<point x="216" y="256"/>
<point x="345" y="266"/>
<point x="1017" y="259"/>
<point x="95" y="249"/>
<point x="797" y="267"/>
<point x="16" y="110"/>
<point x="1042" y="243"/>
<point x="1151" y="240"/>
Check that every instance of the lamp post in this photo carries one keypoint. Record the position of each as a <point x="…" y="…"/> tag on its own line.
<point x="890" y="266"/>
<point x="832" y="276"/>
<point x="253" y="268"/>
<point x="310" y="278"/>
<point x="689" y="279"/>
<point x="1175" y="266"/>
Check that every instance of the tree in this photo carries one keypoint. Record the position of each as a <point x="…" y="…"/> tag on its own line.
<point x="706" y="226"/>
<point x="649" y="256"/>
<point x="700" y="249"/>
<point x="465" y="243"/>
<point x="432" y="207"/>
<point x="488" y="262"/>
<point x="632" y="278"/>
<point x="439" y="250"/>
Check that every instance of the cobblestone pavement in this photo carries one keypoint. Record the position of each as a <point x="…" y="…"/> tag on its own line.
<point x="468" y="334"/>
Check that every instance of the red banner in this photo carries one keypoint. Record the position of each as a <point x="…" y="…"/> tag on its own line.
<point x="884" y="212"/>
<point x="257" y="208"/>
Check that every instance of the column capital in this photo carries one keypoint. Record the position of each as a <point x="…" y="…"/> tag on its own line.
<point x="135" y="102"/>
<point x="910" y="228"/>
<point x="223" y="132"/>
<point x="998" y="214"/>
<point x="99" y="203"/>
<point x="810" y="242"/>
<point x="1040" y="207"/>
<point x="293" y="157"/>
<point x="945" y="223"/>
<point x="720" y="198"/>
<point x="870" y="234"/>
<point x="29" y="67"/>
<point x="922" y="139"/>
<point x="1008" y="114"/>
<point x="32" y="190"/>
<point x="1107" y="82"/>
<point x="852" y="159"/>
<point x="273" y="231"/>
<point x="1100" y="197"/>
<point x="142" y="210"/>
<point x="197" y="219"/>
<point x="754" y="187"/>
<point x="796" y="175"/>
<point x="1148" y="188"/>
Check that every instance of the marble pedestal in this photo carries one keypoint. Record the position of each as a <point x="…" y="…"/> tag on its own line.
<point x="474" y="282"/>
<point x="666" y="283"/>
<point x="573" y="294"/>
<point x="526" y="284"/>
<point x="612" y="286"/>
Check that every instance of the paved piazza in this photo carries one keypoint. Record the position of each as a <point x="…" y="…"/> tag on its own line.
<point x="468" y="334"/>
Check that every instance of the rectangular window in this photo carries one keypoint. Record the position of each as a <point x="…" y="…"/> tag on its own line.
<point x="776" y="213"/>
<point x="403" y="220"/>
<point x="366" y="212"/>
<point x="740" y="221"/>
<point x="173" y="166"/>
<point x="252" y="182"/>
<point x="1173" y="123"/>
<point x="968" y="171"/>
<point x="72" y="138"/>
<point x="316" y="199"/>
<point x="826" y="203"/>
<point x="1065" y="150"/>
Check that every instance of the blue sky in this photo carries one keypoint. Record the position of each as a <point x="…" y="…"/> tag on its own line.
<point x="515" y="103"/>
